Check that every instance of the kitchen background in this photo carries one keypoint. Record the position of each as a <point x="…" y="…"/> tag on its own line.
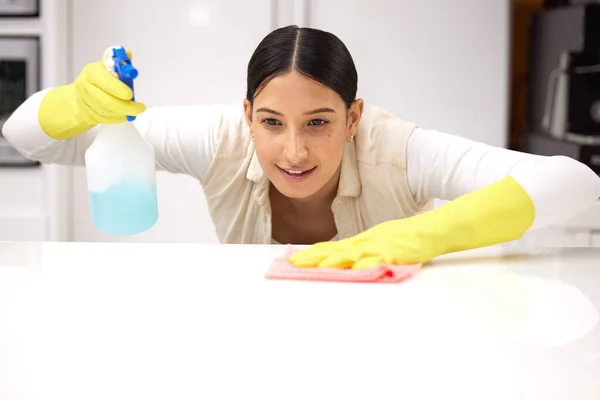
<point x="456" y="66"/>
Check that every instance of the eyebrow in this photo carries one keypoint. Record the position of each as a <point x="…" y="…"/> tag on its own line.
<point x="320" y="110"/>
<point x="316" y="111"/>
<point x="268" y="110"/>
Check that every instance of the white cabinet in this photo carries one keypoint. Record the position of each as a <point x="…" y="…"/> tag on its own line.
<point x="187" y="52"/>
<point x="22" y="210"/>
<point x="442" y="64"/>
<point x="596" y="238"/>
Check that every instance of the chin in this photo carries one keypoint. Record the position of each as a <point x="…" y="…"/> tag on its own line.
<point x="294" y="193"/>
<point x="295" y="190"/>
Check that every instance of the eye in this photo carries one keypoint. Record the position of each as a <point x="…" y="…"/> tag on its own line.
<point x="270" y="122"/>
<point x="318" y="122"/>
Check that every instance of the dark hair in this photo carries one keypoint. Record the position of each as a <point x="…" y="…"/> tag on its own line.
<point x="317" y="54"/>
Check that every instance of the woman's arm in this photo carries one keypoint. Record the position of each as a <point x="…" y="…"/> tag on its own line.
<point x="497" y="195"/>
<point x="184" y="137"/>
<point x="444" y="166"/>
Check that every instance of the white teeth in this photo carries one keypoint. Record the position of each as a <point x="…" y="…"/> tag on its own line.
<point x="289" y="171"/>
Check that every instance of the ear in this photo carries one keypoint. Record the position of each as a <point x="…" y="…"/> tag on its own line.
<point x="354" y="115"/>
<point x="248" y="113"/>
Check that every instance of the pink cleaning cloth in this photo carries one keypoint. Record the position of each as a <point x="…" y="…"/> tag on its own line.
<point x="281" y="268"/>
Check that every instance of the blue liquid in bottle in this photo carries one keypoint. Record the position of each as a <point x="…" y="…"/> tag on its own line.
<point x="124" y="209"/>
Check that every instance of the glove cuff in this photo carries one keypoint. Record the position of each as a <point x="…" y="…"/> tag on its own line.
<point x="498" y="213"/>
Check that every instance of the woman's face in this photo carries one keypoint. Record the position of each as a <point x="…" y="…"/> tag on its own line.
<point x="300" y="128"/>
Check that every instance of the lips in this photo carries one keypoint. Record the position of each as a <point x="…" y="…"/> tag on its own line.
<point x="296" y="171"/>
<point x="295" y="174"/>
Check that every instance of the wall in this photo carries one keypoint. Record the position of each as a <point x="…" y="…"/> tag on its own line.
<point x="450" y="75"/>
<point x="443" y="64"/>
<point x="191" y="52"/>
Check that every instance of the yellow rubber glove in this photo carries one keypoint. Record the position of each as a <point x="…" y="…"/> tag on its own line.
<point x="495" y="214"/>
<point x="96" y="97"/>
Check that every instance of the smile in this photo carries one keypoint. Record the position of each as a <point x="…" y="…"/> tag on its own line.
<point x="296" y="175"/>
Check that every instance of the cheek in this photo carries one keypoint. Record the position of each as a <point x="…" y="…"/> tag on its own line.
<point x="329" y="146"/>
<point x="264" y="147"/>
<point x="267" y="149"/>
<point x="328" y="135"/>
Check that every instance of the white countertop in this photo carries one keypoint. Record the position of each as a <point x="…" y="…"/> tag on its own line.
<point x="105" y="321"/>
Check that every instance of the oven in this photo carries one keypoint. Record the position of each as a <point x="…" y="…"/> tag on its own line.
<point x="19" y="79"/>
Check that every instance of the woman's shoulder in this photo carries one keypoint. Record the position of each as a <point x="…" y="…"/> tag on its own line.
<point x="232" y="116"/>
<point x="382" y="136"/>
<point x="375" y="118"/>
<point x="233" y="131"/>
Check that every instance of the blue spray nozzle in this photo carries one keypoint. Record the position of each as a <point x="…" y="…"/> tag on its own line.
<point x="125" y="71"/>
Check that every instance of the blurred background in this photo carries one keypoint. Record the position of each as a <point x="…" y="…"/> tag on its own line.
<point x="520" y="74"/>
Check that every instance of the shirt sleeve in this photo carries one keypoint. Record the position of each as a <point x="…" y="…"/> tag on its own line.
<point x="443" y="166"/>
<point x="184" y="137"/>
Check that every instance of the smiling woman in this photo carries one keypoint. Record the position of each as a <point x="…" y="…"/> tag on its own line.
<point x="296" y="141"/>
<point x="302" y="137"/>
<point x="302" y="160"/>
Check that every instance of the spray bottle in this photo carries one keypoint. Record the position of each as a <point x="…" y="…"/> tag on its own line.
<point x="120" y="167"/>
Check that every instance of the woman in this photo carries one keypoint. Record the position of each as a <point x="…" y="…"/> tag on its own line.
<point x="300" y="162"/>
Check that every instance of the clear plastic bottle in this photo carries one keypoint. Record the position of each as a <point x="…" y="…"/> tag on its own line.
<point x="120" y="168"/>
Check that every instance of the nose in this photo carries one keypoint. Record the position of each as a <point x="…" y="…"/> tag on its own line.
<point x="295" y="148"/>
